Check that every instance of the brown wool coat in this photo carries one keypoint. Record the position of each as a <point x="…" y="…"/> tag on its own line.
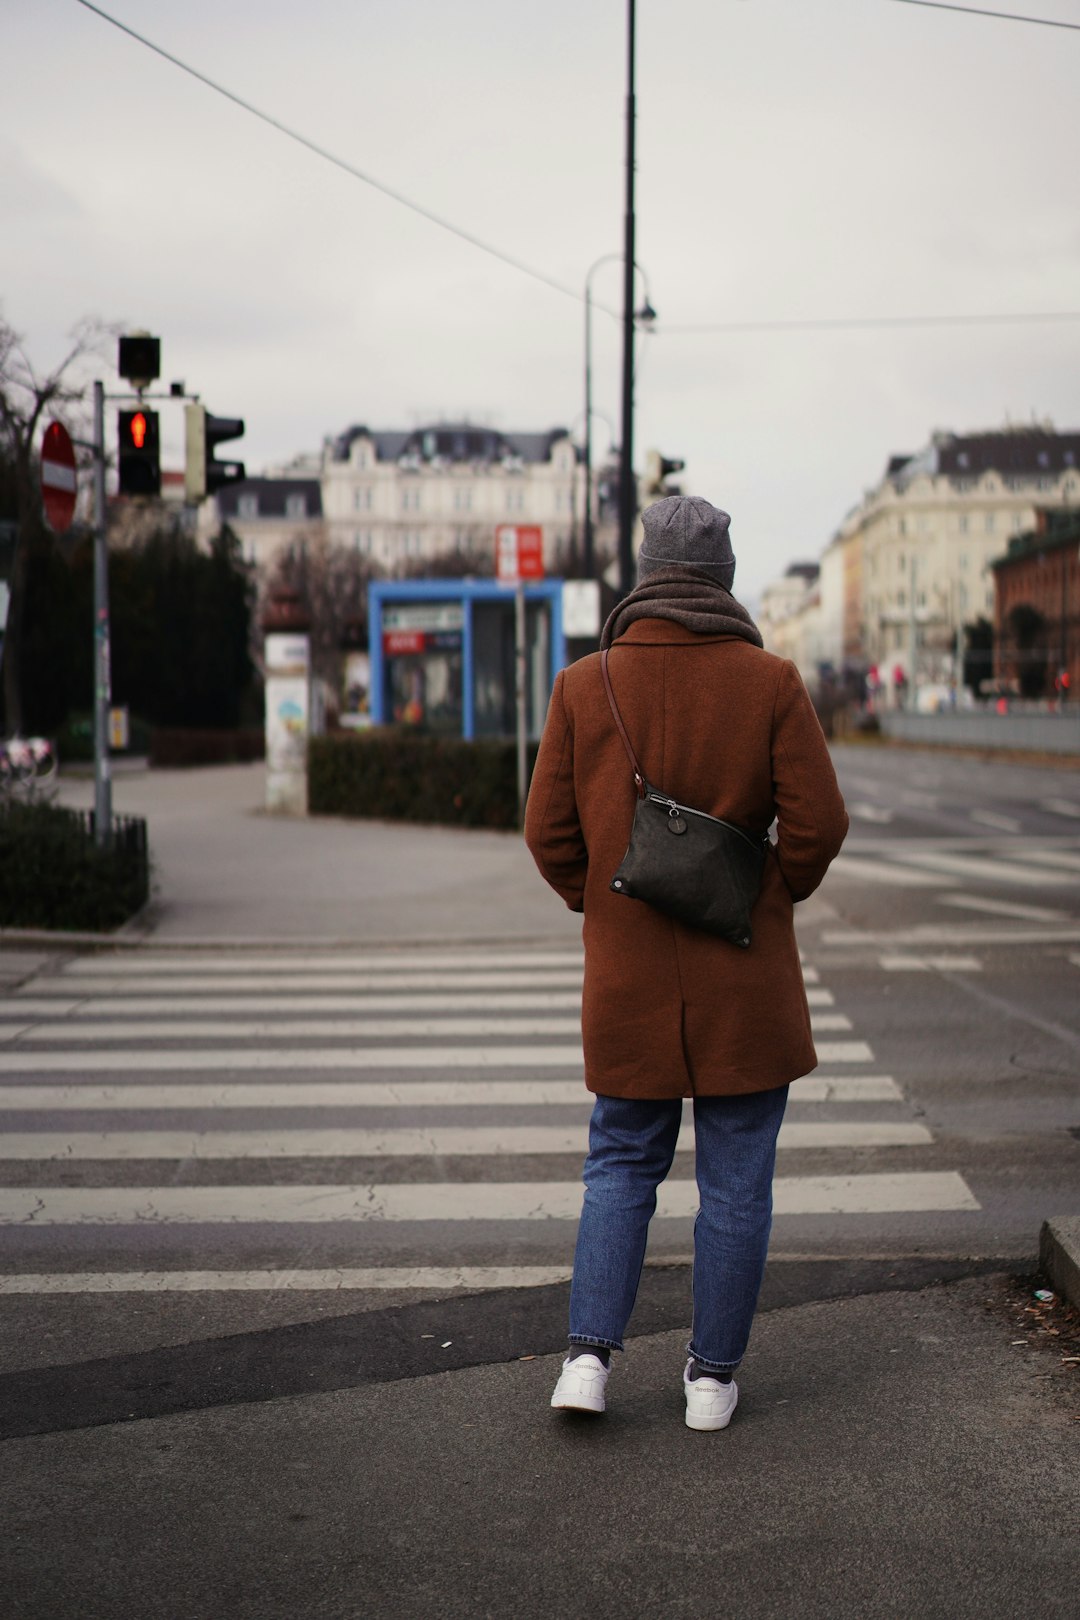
<point x="667" y="1010"/>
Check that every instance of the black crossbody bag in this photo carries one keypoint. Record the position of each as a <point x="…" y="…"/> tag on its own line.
<point x="692" y="866"/>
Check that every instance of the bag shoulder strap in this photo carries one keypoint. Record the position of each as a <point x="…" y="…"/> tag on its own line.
<point x="639" y="780"/>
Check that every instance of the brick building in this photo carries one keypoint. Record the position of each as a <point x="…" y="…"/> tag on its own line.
<point x="1037" y="605"/>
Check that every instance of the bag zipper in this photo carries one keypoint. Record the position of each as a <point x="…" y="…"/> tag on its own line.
<point x="676" y="809"/>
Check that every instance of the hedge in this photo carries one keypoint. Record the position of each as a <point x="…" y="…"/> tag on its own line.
<point x="391" y="774"/>
<point x="52" y="874"/>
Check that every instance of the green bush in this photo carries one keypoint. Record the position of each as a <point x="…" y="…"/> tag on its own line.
<point x="387" y="774"/>
<point x="52" y="875"/>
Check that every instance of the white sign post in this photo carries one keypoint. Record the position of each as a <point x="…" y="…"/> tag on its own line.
<point x="288" y="721"/>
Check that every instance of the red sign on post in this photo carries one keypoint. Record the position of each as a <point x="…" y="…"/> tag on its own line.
<point x="519" y="552"/>
<point x="58" y="486"/>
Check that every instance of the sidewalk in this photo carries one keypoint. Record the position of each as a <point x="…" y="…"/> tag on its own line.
<point x="893" y="1455"/>
<point x="226" y="871"/>
<point x="910" y="1455"/>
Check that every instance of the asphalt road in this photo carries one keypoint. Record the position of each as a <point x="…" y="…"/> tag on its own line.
<point x="241" y="1174"/>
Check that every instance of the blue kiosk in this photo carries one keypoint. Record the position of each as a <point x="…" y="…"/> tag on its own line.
<point x="442" y="654"/>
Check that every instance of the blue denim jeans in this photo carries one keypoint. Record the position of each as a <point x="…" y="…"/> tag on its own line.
<point x="631" y="1146"/>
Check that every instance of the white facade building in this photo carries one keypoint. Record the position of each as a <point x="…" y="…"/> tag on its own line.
<point x="398" y="497"/>
<point x="921" y="542"/>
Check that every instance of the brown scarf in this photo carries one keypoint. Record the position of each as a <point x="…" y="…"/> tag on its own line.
<point x="689" y="597"/>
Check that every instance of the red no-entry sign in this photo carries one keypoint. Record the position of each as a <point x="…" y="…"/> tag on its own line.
<point x="58" y="486"/>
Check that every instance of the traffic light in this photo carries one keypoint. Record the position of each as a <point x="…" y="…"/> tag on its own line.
<point x="140" y="452"/>
<point x="657" y="469"/>
<point x="203" y="475"/>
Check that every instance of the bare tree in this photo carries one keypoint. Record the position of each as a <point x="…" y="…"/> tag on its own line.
<point x="27" y="399"/>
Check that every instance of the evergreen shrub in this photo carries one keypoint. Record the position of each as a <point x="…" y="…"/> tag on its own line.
<point x="392" y="774"/>
<point x="52" y="874"/>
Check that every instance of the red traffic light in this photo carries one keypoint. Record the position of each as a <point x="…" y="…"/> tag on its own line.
<point x="138" y="430"/>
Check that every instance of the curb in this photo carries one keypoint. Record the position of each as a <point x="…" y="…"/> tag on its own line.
<point x="1059" y="1255"/>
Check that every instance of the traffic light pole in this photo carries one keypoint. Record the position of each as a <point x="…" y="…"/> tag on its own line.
<point x="626" y="464"/>
<point x="102" y="674"/>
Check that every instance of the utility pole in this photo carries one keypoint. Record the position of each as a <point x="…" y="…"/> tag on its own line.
<point x="102" y="671"/>
<point x="913" y="640"/>
<point x="626" y="465"/>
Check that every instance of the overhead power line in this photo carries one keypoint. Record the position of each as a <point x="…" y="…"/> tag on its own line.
<point x="838" y="324"/>
<point x="870" y="322"/>
<point x="981" y="11"/>
<point x="339" y="162"/>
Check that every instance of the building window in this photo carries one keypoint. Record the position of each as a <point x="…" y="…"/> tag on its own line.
<point x="901" y="525"/>
<point x="901" y="561"/>
<point x="296" y="506"/>
<point x="247" y="506"/>
<point x="362" y="498"/>
<point x="463" y="500"/>
<point x="410" y="498"/>
<point x="515" y="500"/>
<point x="991" y="522"/>
<point x="962" y="523"/>
<point x="901" y="599"/>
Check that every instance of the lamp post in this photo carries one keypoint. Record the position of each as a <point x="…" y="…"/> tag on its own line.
<point x="643" y="316"/>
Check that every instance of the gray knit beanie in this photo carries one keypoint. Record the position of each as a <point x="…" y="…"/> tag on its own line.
<point x="684" y="531"/>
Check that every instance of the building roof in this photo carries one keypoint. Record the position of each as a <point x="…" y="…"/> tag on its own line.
<point x="273" y="494"/>
<point x="451" y="441"/>
<point x="1026" y="452"/>
<point x="1054" y="530"/>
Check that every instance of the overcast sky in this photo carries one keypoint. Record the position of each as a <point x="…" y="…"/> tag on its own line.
<point x="796" y="159"/>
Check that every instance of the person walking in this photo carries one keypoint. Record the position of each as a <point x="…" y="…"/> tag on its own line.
<point x="668" y="1010"/>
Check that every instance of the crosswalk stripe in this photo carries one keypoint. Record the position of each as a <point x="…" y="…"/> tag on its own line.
<point x="326" y="1029"/>
<point x="299" y="1029"/>
<point x="1060" y="807"/>
<point x="1055" y="858"/>
<point x="441" y="1141"/>
<point x="32" y="1006"/>
<point x="838" y="1052"/>
<point x="858" y="866"/>
<point x="331" y="1280"/>
<point x="495" y="1001"/>
<point x="192" y="984"/>
<point x="132" y="1098"/>
<point x="984" y="868"/>
<point x="990" y="818"/>
<point x="881" y="1193"/>
<point x="158" y="964"/>
<point x="353" y="1057"/>
<point x="1002" y="908"/>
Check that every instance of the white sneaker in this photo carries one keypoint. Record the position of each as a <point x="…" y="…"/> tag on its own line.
<point x="709" y="1403"/>
<point x="581" y="1385"/>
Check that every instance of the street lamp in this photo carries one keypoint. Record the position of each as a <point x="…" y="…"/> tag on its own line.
<point x="644" y="316"/>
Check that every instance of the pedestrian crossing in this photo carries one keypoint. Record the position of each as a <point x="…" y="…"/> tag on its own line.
<point x="1007" y="865"/>
<point x="354" y="1119"/>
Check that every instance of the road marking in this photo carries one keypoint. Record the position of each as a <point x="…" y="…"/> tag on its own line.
<point x="40" y="1005"/>
<point x="990" y="818"/>
<point x="389" y="963"/>
<point x="1060" y="807"/>
<point x="964" y="934"/>
<point x="195" y="984"/>
<point x="1074" y="958"/>
<point x="870" y="812"/>
<point x="300" y="1059"/>
<point x="827" y="1052"/>
<point x="440" y="1141"/>
<point x="982" y="868"/>
<point x="351" y="1029"/>
<point x="409" y="1094"/>
<point x="867" y="871"/>
<point x="283" y="1282"/>
<point x="1002" y="908"/>
<point x="924" y="964"/>
<point x="820" y="998"/>
<point x="924" y="801"/>
<point x="886" y="1193"/>
<point x="810" y="975"/>
<point x="305" y="1029"/>
<point x="1054" y="858"/>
